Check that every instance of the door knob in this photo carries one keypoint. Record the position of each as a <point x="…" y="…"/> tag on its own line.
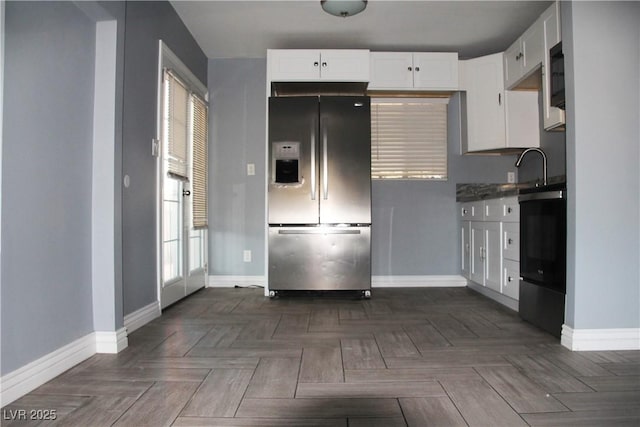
<point x="186" y="192"/>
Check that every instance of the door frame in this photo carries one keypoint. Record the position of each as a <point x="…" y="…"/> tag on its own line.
<point x="168" y="59"/>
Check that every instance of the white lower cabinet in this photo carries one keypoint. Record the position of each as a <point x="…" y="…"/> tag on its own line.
<point x="511" y="278"/>
<point x="486" y="267"/>
<point x="465" y="234"/>
<point x="490" y="244"/>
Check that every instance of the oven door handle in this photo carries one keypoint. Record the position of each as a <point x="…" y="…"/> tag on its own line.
<point x="546" y="195"/>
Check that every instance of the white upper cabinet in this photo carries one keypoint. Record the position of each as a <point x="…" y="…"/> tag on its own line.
<point x="303" y="65"/>
<point x="414" y="71"/>
<point x="497" y="119"/>
<point x="524" y="55"/>
<point x="485" y="103"/>
<point x="553" y="117"/>
<point x="391" y="70"/>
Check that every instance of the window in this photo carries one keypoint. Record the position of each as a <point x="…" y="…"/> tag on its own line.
<point x="186" y="136"/>
<point x="409" y="138"/>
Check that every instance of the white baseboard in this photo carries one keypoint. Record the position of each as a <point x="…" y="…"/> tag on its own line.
<point x="600" y="339"/>
<point x="141" y="317"/>
<point x="231" y="281"/>
<point x="417" y="281"/>
<point x="111" y="342"/>
<point x="31" y="376"/>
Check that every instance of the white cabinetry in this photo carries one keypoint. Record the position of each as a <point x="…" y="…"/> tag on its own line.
<point x="486" y="262"/>
<point x="552" y="117"/>
<point x="414" y="71"/>
<point x="490" y="244"/>
<point x="525" y="55"/>
<point x="305" y="65"/>
<point x="468" y="211"/>
<point x="530" y="52"/>
<point x="497" y="119"/>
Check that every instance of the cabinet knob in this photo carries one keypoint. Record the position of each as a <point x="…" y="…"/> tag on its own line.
<point x="509" y="210"/>
<point x="510" y="241"/>
<point x="324" y="64"/>
<point x="464" y="211"/>
<point x="315" y="64"/>
<point x="409" y="68"/>
<point x="417" y="68"/>
<point x="510" y="279"/>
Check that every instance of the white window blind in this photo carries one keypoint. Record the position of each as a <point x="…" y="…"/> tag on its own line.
<point x="176" y="116"/>
<point x="199" y="131"/>
<point x="409" y="138"/>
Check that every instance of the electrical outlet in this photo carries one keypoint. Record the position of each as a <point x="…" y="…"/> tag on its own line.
<point x="246" y="256"/>
<point x="251" y="169"/>
<point x="511" y="177"/>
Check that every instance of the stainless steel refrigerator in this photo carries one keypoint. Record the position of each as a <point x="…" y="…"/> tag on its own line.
<point x="320" y="193"/>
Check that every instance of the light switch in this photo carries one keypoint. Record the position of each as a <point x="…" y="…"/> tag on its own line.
<point x="511" y="177"/>
<point x="246" y="256"/>
<point x="251" y="169"/>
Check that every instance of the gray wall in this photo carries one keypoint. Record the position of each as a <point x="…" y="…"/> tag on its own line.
<point x="415" y="223"/>
<point x="46" y="182"/>
<point x="146" y="23"/>
<point x="237" y="90"/>
<point x="46" y="293"/>
<point x="602" y="57"/>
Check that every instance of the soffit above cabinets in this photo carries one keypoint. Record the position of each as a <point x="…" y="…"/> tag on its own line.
<point x="246" y="29"/>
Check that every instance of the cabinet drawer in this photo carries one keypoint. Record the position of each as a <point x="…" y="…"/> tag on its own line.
<point x="493" y="210"/>
<point x="472" y="210"/>
<point x="511" y="279"/>
<point x="511" y="241"/>
<point x="510" y="209"/>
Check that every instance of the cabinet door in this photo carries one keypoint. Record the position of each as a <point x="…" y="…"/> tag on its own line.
<point x="476" y="258"/>
<point x="344" y="65"/>
<point x="511" y="240"/>
<point x="513" y="64"/>
<point x="391" y="70"/>
<point x="485" y="103"/>
<point x="511" y="279"/>
<point x="533" y="47"/>
<point x="492" y="255"/>
<point x="435" y="71"/>
<point x="465" y="248"/>
<point x="294" y="65"/>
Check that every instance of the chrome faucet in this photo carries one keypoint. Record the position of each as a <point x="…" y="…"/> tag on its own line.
<point x="544" y="162"/>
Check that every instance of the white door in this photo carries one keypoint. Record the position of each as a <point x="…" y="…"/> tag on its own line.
<point x="183" y="247"/>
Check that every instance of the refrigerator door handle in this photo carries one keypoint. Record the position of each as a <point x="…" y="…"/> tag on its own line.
<point x="313" y="159"/>
<point x="313" y="230"/>
<point x="325" y="162"/>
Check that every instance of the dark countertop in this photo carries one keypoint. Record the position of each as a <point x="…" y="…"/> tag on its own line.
<point x="475" y="192"/>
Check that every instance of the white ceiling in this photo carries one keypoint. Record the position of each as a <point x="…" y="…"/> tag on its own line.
<point x="245" y="29"/>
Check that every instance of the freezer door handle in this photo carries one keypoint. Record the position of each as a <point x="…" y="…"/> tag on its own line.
<point x="313" y="159"/>
<point x="319" y="231"/>
<point x="325" y="163"/>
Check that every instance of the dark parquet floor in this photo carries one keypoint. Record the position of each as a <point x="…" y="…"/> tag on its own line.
<point x="417" y="357"/>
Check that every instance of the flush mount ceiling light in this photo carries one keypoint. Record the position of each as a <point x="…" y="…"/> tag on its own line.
<point x="343" y="8"/>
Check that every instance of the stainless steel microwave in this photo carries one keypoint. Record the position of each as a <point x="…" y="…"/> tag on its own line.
<point x="556" y="65"/>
